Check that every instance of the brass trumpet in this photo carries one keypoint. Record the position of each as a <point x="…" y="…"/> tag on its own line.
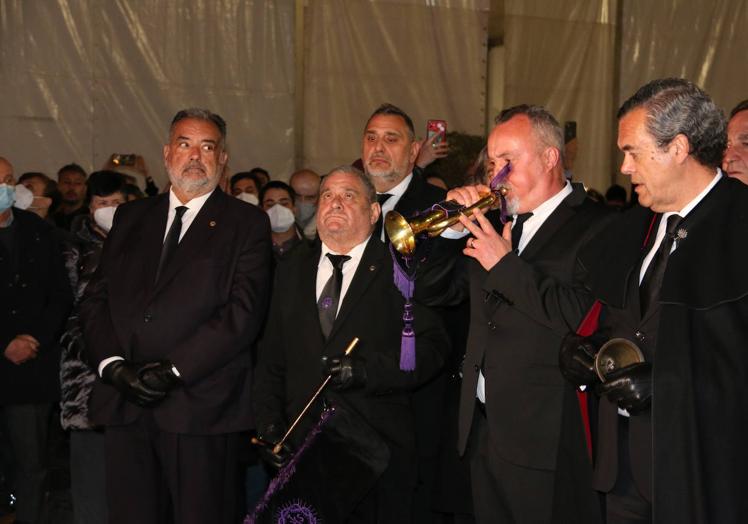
<point x="403" y="232"/>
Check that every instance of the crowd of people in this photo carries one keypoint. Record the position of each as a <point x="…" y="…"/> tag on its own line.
<point x="555" y="356"/>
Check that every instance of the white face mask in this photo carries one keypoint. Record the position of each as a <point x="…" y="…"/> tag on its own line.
<point x="305" y="211"/>
<point x="24" y="197"/>
<point x="281" y="218"/>
<point x="104" y="216"/>
<point x="249" y="198"/>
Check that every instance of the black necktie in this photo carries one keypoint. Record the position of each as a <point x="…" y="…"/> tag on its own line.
<point x="517" y="230"/>
<point x="330" y="297"/>
<point x="172" y="240"/>
<point x="381" y="198"/>
<point x="649" y="289"/>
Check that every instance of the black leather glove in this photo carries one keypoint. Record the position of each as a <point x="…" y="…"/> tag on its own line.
<point x="576" y="359"/>
<point x="629" y="387"/>
<point x="159" y="375"/>
<point x="269" y="436"/>
<point x="347" y="371"/>
<point x="123" y="375"/>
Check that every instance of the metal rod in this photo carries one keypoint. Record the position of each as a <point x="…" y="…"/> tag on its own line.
<point x="279" y="445"/>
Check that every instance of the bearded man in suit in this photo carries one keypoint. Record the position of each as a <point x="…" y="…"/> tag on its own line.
<point x="169" y="320"/>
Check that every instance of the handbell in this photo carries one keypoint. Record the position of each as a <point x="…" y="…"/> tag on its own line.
<point x="402" y="232"/>
<point x="616" y="353"/>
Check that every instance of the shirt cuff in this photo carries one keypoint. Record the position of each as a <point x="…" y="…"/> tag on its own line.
<point x="452" y="234"/>
<point x="106" y="361"/>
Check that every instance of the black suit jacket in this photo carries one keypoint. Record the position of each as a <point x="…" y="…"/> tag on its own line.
<point x="203" y="313"/>
<point x="515" y="332"/>
<point x="36" y="299"/>
<point x="289" y="369"/>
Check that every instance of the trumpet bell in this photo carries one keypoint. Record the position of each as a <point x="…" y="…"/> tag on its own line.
<point x="400" y="233"/>
<point x="616" y="353"/>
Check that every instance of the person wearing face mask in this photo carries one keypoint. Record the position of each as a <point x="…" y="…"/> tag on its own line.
<point x="43" y="191"/>
<point x="277" y="200"/>
<point x="105" y="191"/>
<point x="305" y="184"/>
<point x="35" y="302"/>
<point x="246" y="186"/>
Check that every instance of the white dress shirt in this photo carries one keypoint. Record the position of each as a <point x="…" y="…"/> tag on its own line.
<point x="397" y="192"/>
<point x="325" y="269"/>
<point x="193" y="208"/>
<point x="531" y="226"/>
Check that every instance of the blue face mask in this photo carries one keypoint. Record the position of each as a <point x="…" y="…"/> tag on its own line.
<point x="7" y="196"/>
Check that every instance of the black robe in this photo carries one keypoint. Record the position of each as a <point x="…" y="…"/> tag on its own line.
<point x="699" y="417"/>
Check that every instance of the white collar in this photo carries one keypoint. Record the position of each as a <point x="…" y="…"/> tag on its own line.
<point x="355" y="253"/>
<point x="195" y="203"/>
<point x="399" y="189"/>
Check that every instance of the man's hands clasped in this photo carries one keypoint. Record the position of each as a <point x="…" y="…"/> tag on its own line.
<point x="144" y="384"/>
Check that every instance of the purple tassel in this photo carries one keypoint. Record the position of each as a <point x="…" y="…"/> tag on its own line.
<point x="287" y="471"/>
<point x="496" y="183"/>
<point x="405" y="283"/>
<point x="408" y="341"/>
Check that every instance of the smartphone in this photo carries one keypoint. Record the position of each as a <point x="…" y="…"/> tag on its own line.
<point x="123" y="160"/>
<point x="436" y="127"/>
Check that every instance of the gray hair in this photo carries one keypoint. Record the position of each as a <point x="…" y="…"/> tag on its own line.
<point x="544" y="124"/>
<point x="200" y="114"/>
<point x="369" y="191"/>
<point x="676" y="106"/>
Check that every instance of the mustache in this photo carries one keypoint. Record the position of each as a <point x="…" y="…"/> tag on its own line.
<point x="194" y="164"/>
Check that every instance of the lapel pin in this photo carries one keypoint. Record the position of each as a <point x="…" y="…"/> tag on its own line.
<point x="212" y="223"/>
<point x="372" y="267"/>
<point x="681" y="234"/>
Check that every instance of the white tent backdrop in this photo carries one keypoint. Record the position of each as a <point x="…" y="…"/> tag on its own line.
<point x="81" y="79"/>
<point x="429" y="58"/>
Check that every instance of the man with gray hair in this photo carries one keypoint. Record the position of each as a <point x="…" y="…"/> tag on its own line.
<point x="671" y="277"/>
<point x="169" y="320"/>
<point x="518" y="422"/>
<point x="342" y="289"/>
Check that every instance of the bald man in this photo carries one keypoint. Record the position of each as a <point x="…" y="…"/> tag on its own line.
<point x="305" y="184"/>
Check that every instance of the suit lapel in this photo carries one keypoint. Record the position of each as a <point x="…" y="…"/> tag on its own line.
<point x="204" y="225"/>
<point x="372" y="262"/>
<point x="563" y="212"/>
<point x="146" y="241"/>
<point x="307" y="282"/>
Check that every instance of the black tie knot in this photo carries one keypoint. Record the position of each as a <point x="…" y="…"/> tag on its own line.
<point x="673" y="221"/>
<point x="521" y="219"/>
<point x="179" y="210"/>
<point x="337" y="261"/>
<point x="517" y="229"/>
<point x="382" y="198"/>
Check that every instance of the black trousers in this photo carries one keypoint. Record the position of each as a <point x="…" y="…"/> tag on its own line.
<point x="624" y="503"/>
<point x="504" y="492"/>
<point x="26" y="427"/>
<point x="157" y="477"/>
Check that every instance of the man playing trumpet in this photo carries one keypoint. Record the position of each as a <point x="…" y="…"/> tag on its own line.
<point x="514" y="402"/>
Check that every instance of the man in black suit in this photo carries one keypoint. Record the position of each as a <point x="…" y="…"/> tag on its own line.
<point x="524" y="468"/>
<point x="671" y="275"/>
<point x="389" y="152"/>
<point x="169" y="319"/>
<point x="368" y="306"/>
<point x="35" y="301"/>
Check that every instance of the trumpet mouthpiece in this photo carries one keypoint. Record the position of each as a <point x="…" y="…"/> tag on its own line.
<point x="503" y="190"/>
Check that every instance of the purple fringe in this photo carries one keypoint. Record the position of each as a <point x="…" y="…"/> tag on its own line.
<point x="494" y="185"/>
<point x="287" y="471"/>
<point x="405" y="283"/>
